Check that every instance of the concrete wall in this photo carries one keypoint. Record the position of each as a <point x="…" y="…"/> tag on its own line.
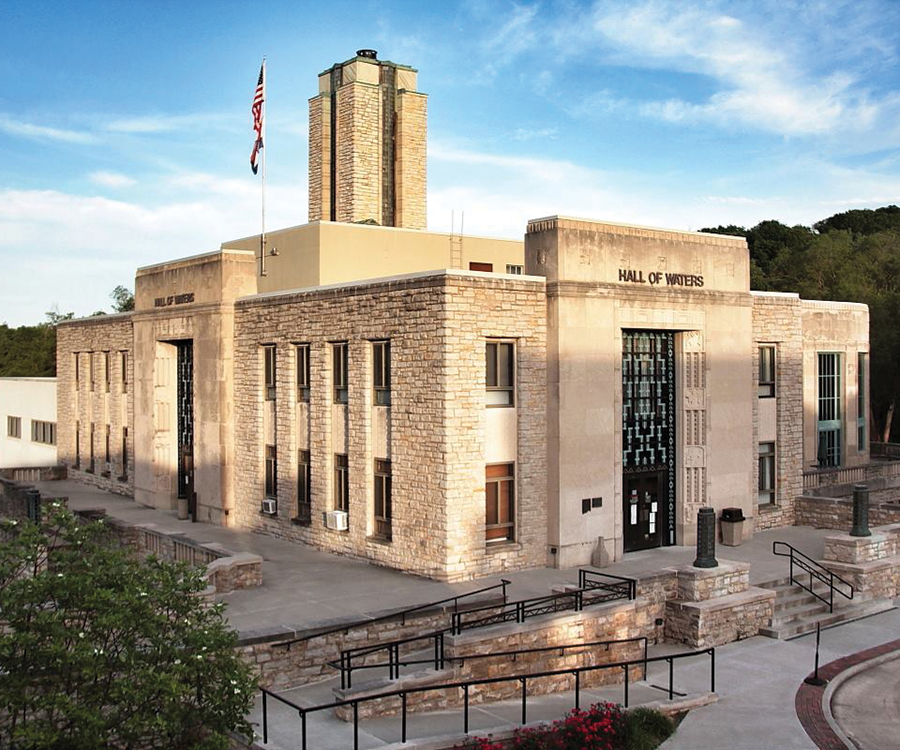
<point x="334" y="253"/>
<point x="28" y="399"/>
<point x="601" y="279"/>
<point x="841" y="327"/>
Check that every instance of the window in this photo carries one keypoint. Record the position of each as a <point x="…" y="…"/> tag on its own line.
<point x="766" y="473"/>
<point x="90" y="467"/>
<point x="77" y="445"/>
<point x="107" y="443"/>
<point x="339" y="360"/>
<point x="43" y="432"/>
<point x="271" y="471"/>
<point x="381" y="364"/>
<point x="304" y="480"/>
<point x="303" y="372"/>
<point x="77" y="371"/>
<point x="515" y="270"/>
<point x="829" y="409"/>
<point x="341" y="482"/>
<point x="476" y="266"/>
<point x="766" y="372"/>
<point x="269" y="371"/>
<point x="106" y="369"/>
<point x="124" y="477"/>
<point x="499" y="503"/>
<point x="383" y="498"/>
<point x="500" y="373"/>
<point x="14" y="427"/>
<point x="91" y="369"/>
<point x="123" y="361"/>
<point x="861" y="408"/>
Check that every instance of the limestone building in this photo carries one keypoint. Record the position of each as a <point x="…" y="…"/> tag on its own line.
<point x="458" y="406"/>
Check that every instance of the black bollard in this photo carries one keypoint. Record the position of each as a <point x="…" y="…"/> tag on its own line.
<point x="860" y="511"/>
<point x="706" y="539"/>
<point x="814" y="679"/>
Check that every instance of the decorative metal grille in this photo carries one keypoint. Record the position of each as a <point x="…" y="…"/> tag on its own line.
<point x="648" y="411"/>
<point x="185" y="408"/>
<point x="829" y="409"/>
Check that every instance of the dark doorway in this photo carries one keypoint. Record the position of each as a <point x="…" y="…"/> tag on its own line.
<point x="186" y="421"/>
<point x="648" y="438"/>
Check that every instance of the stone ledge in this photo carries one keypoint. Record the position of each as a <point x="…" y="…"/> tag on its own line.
<point x="845" y="548"/>
<point x="752" y="595"/>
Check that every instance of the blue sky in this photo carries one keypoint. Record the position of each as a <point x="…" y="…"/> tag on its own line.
<point x="125" y="126"/>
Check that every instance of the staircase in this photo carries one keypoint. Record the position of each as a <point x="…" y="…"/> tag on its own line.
<point x="798" y="612"/>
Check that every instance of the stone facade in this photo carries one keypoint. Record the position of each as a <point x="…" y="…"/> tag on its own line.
<point x="870" y="564"/>
<point x="437" y="325"/>
<point x="777" y="321"/>
<point x="320" y="158"/>
<point x="89" y="396"/>
<point x="837" y="512"/>
<point x="411" y="176"/>
<point x="358" y="158"/>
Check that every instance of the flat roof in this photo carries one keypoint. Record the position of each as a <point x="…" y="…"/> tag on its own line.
<point x="220" y="251"/>
<point x="637" y="226"/>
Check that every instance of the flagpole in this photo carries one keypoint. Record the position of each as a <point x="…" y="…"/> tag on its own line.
<point x="262" y="236"/>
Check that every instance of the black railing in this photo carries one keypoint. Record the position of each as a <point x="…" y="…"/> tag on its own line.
<point x="593" y="579"/>
<point x="438" y="661"/>
<point x="465" y="685"/>
<point x="345" y="629"/>
<point x="523" y="609"/>
<point x="816" y="572"/>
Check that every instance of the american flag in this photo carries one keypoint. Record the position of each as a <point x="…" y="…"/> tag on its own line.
<point x="257" y="110"/>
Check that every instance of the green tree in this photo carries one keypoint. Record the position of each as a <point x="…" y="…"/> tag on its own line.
<point x="123" y="299"/>
<point x="101" y="649"/>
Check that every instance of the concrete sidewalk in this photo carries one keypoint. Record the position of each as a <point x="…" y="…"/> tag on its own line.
<point x="303" y="587"/>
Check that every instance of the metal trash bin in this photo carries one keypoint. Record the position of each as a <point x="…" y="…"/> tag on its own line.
<point x="732" y="527"/>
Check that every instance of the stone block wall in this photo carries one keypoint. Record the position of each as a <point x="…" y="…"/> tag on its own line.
<point x="358" y="157"/>
<point x="411" y="168"/>
<point x="81" y="403"/>
<point x="437" y="325"/>
<point x="320" y="158"/>
<point x="777" y="320"/>
<point x="837" y="512"/>
<point x="870" y="564"/>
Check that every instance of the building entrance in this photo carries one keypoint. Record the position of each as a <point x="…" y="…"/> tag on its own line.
<point x="648" y="438"/>
<point x="185" y="377"/>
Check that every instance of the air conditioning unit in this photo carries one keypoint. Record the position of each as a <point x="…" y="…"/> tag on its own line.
<point x="270" y="506"/>
<point x="337" y="520"/>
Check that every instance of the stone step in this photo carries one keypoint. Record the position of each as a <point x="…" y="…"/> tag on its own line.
<point x="841" y="615"/>
<point x="796" y="610"/>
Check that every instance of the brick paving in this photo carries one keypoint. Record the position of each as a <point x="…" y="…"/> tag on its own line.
<point x="808" y="701"/>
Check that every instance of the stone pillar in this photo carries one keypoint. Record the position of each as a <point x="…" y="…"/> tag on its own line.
<point x="860" y="511"/>
<point x="706" y="539"/>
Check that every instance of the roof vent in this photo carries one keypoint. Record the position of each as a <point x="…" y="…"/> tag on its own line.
<point x="370" y="53"/>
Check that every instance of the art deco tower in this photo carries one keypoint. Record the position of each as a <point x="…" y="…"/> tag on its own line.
<point x="367" y="144"/>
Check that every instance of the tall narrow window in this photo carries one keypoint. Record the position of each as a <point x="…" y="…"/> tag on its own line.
<point x="271" y="471"/>
<point x="77" y="371"/>
<point x="304" y="498"/>
<point x="106" y="370"/>
<point x="829" y="409"/>
<point x="123" y="362"/>
<point x="124" y="476"/>
<point x="303" y="372"/>
<point x="341" y="482"/>
<point x="107" y="444"/>
<point x="91" y="369"/>
<point x="77" y="445"/>
<point x="91" y="464"/>
<point x="766" y="371"/>
<point x="14" y="427"/>
<point x="381" y="364"/>
<point x="382" y="498"/>
<point x="862" y="412"/>
<point x="766" y="473"/>
<point x="269" y="371"/>
<point x="341" y="372"/>
<point x="499" y="491"/>
<point x="500" y="377"/>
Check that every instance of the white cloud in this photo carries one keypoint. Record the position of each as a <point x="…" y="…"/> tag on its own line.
<point x="23" y="129"/>
<point x="529" y="134"/>
<point x="111" y="179"/>
<point x="146" y="124"/>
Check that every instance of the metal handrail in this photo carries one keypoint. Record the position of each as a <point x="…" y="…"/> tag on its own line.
<point x="576" y="672"/>
<point x="345" y="629"/>
<point x="816" y="571"/>
<point x="587" y="578"/>
<point x="439" y="660"/>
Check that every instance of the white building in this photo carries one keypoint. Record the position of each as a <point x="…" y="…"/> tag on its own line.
<point x="28" y="413"/>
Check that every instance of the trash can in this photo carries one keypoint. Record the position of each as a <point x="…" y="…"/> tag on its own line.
<point x="732" y="527"/>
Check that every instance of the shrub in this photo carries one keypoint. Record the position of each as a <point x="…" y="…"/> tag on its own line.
<point x="646" y="729"/>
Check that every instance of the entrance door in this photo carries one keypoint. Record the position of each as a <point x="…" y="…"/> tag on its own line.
<point x="185" y="417"/>
<point x="648" y="438"/>
<point x="643" y="512"/>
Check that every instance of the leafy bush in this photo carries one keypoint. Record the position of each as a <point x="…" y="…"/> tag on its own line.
<point x="100" y="649"/>
<point x="646" y="729"/>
